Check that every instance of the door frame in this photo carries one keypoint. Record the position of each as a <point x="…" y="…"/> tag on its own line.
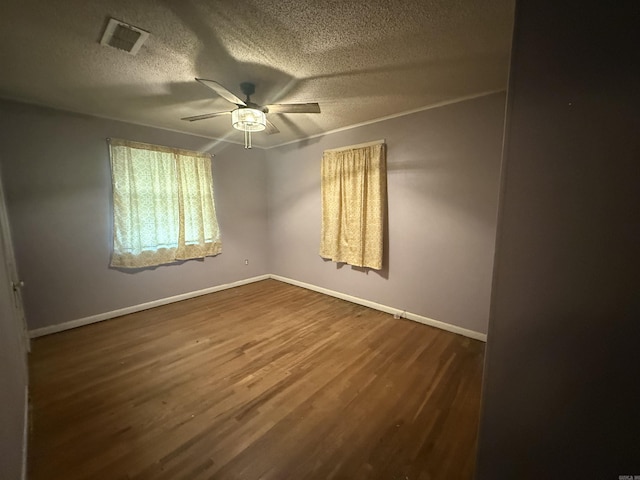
<point x="16" y="284"/>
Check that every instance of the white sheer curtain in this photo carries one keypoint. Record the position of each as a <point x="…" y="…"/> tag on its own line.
<point x="163" y="208"/>
<point x="353" y="190"/>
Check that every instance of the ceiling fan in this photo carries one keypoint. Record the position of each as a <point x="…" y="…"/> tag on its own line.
<point x="248" y="116"/>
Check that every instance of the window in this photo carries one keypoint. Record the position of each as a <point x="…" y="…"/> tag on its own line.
<point x="353" y="189"/>
<point x="163" y="209"/>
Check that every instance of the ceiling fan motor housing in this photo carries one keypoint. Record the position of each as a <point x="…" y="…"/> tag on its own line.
<point x="248" y="88"/>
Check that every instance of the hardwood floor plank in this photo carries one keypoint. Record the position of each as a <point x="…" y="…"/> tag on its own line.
<point x="264" y="381"/>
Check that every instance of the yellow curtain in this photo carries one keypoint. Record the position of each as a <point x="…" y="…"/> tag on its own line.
<point x="163" y="207"/>
<point x="353" y="192"/>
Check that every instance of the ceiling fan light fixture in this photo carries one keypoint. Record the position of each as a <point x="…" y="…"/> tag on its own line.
<point x="248" y="120"/>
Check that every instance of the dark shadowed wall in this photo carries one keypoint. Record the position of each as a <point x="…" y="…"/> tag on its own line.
<point x="443" y="175"/>
<point x="58" y="188"/>
<point x="562" y="390"/>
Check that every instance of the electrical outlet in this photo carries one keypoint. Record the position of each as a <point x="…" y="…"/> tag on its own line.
<point x="246" y="261"/>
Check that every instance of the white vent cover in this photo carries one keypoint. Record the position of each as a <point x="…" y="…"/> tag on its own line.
<point x="123" y="36"/>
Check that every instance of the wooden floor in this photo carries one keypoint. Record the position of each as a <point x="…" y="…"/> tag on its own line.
<point x="263" y="381"/>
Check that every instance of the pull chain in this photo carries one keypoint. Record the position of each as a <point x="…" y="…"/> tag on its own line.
<point x="247" y="138"/>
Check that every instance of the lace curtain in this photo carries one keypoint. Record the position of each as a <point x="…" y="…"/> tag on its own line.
<point x="163" y="208"/>
<point x="353" y="205"/>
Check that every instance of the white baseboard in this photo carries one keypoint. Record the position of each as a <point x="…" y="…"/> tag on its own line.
<point x="60" y="327"/>
<point x="384" y="308"/>
<point x="164" y="301"/>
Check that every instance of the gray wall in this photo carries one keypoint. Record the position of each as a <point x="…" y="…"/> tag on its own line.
<point x="562" y="389"/>
<point x="443" y="175"/>
<point x="58" y="188"/>
<point x="13" y="381"/>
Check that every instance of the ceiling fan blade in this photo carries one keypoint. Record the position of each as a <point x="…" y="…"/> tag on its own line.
<point x="271" y="128"/>
<point x="222" y="91"/>
<point x="294" y="108"/>
<point x="204" y="116"/>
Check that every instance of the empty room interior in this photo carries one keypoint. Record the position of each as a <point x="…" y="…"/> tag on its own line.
<point x="319" y="240"/>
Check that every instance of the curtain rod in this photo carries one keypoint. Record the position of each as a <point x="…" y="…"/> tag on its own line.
<point x="359" y="145"/>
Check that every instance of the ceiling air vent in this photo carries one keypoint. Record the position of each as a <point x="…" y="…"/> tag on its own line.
<point x="123" y="36"/>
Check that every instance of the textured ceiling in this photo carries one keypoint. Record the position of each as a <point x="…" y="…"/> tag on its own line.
<point x="360" y="60"/>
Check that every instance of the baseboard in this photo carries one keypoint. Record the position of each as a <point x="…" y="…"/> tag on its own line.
<point x="384" y="308"/>
<point x="38" y="332"/>
<point x="60" y="327"/>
